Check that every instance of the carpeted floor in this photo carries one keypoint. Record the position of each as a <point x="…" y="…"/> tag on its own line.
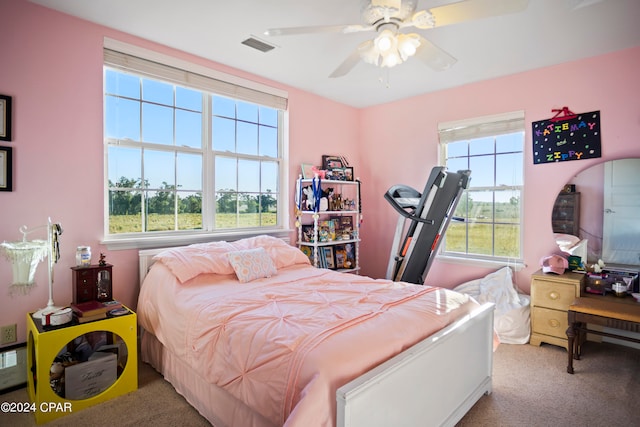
<point x="530" y="388"/>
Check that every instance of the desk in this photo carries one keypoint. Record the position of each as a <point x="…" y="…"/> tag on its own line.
<point x="599" y="311"/>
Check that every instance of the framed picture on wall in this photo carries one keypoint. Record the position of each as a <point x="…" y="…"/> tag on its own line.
<point x="5" y="118"/>
<point x="6" y="171"/>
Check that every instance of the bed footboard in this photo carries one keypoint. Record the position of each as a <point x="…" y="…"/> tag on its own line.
<point x="433" y="383"/>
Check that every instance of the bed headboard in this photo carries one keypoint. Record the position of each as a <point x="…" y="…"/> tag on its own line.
<point x="145" y="260"/>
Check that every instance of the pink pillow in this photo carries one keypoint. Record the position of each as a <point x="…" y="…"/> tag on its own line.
<point x="189" y="261"/>
<point x="251" y="264"/>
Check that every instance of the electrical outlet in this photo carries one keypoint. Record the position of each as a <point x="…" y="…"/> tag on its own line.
<point x="8" y="334"/>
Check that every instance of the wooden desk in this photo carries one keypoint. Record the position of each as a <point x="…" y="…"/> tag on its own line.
<point x="599" y="311"/>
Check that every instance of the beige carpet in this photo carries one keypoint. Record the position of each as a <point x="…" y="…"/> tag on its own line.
<point x="530" y="388"/>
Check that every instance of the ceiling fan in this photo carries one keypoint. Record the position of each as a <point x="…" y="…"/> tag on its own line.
<point x="388" y="18"/>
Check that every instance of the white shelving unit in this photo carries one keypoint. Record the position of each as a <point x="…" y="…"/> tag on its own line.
<point x="316" y="205"/>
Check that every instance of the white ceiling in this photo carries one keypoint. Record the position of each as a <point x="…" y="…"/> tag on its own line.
<point x="548" y="32"/>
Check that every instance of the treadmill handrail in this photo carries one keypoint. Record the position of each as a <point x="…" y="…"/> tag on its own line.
<point x="409" y="215"/>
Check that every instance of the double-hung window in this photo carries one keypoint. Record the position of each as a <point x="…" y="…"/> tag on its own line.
<point x="187" y="154"/>
<point x="491" y="207"/>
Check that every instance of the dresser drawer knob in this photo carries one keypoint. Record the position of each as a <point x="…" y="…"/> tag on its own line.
<point x="554" y="295"/>
<point x="554" y="323"/>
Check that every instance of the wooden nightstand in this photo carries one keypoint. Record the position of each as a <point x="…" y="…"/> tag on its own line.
<point x="90" y="353"/>
<point x="551" y="296"/>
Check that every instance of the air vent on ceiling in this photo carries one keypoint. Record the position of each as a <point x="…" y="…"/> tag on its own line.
<point x="258" y="44"/>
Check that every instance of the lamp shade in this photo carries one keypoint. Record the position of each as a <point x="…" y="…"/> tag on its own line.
<point x="408" y="45"/>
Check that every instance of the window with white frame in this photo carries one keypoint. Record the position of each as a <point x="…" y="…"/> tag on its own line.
<point x="491" y="207"/>
<point x="187" y="153"/>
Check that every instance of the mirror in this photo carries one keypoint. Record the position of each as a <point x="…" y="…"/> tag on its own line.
<point x="596" y="216"/>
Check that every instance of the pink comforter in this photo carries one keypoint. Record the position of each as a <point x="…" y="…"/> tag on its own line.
<point x="284" y="345"/>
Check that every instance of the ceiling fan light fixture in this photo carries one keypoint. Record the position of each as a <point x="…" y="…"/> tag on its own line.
<point x="391" y="59"/>
<point x="369" y="53"/>
<point x="385" y="41"/>
<point x="408" y="45"/>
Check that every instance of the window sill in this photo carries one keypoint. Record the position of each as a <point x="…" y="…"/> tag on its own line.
<point x="517" y="265"/>
<point x="153" y="242"/>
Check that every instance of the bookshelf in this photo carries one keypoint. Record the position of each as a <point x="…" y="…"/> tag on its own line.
<point x="328" y="222"/>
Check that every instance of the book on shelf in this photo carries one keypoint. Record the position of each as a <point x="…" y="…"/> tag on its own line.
<point x="91" y="308"/>
<point x="84" y="319"/>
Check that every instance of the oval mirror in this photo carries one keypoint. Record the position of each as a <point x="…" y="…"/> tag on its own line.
<point x="596" y="216"/>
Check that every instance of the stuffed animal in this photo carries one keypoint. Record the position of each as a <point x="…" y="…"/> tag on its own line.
<point x="325" y="199"/>
<point x="310" y="199"/>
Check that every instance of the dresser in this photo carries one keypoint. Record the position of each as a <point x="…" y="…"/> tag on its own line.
<point x="551" y="296"/>
<point x="565" y="217"/>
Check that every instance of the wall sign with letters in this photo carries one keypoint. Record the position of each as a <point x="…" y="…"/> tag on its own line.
<point x="566" y="136"/>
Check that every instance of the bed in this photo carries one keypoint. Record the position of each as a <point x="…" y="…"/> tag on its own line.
<point x="252" y="335"/>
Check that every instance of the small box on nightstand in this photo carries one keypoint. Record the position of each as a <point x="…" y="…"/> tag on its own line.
<point x="92" y="283"/>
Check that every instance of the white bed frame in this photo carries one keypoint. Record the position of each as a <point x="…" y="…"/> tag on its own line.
<point x="433" y="383"/>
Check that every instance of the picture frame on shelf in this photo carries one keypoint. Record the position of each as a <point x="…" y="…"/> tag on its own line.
<point x="350" y="255"/>
<point x="345" y="256"/>
<point x="327" y="230"/>
<point x="329" y="257"/>
<point x="348" y="173"/>
<point x="332" y="162"/>
<point x="336" y="174"/>
<point x="5" y="118"/>
<point x="6" y="169"/>
<point x="306" y="170"/>
<point x="307" y="233"/>
<point x="346" y="224"/>
<point x="341" y="256"/>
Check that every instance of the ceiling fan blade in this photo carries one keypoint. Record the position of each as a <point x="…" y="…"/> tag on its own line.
<point x="347" y="65"/>
<point x="397" y="4"/>
<point x="475" y="9"/>
<point x="434" y="57"/>
<point x="291" y="31"/>
<point x="579" y="4"/>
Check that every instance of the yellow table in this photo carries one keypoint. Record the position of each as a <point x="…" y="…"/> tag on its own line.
<point x="44" y="345"/>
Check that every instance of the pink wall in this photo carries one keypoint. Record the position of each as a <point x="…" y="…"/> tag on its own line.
<point x="52" y="67"/>
<point x="404" y="135"/>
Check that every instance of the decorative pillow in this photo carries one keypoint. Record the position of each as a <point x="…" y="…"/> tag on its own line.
<point x="282" y="254"/>
<point x="251" y="264"/>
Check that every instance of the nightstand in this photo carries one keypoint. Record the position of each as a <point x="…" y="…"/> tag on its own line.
<point x="70" y="368"/>
<point x="551" y="296"/>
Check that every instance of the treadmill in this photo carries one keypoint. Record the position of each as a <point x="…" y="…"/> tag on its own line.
<point x="423" y="220"/>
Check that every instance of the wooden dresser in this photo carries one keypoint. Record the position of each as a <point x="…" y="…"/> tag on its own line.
<point x="551" y="296"/>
